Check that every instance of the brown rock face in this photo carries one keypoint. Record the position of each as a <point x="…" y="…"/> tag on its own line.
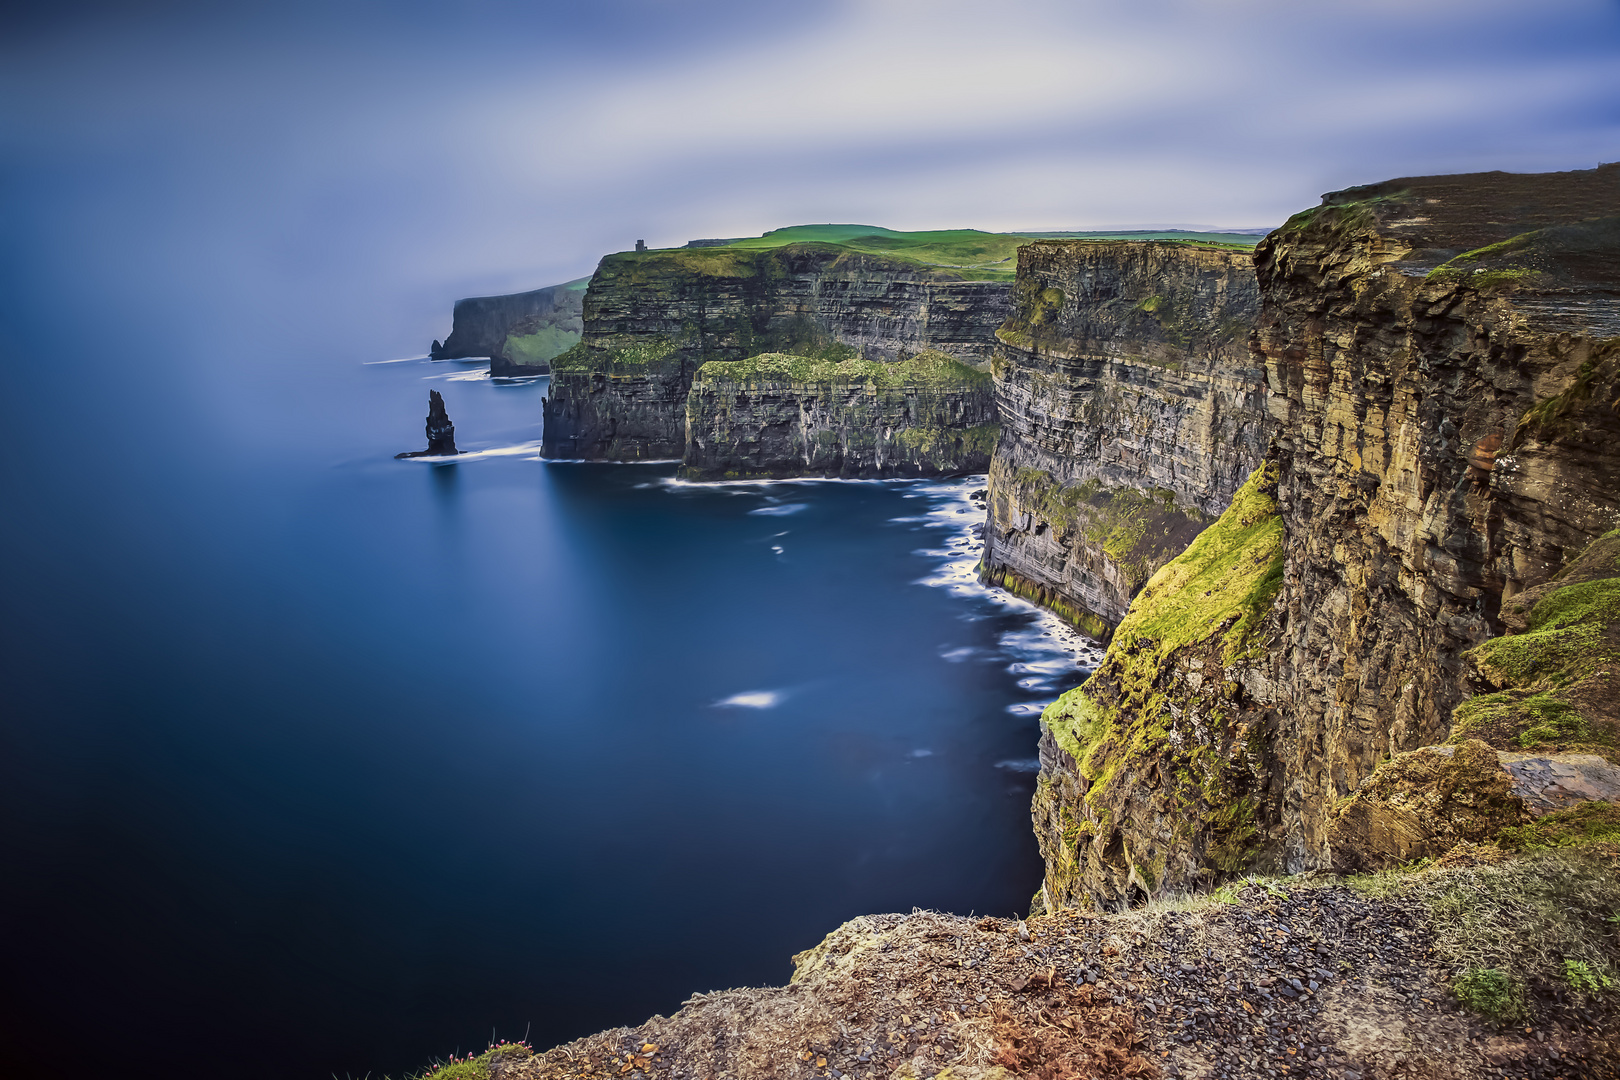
<point x="1444" y="381"/>
<point x="1422" y="804"/>
<point x="1132" y="409"/>
<point x="1447" y="437"/>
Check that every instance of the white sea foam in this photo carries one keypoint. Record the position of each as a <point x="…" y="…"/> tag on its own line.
<point x="401" y="360"/>
<point x="523" y="449"/>
<point x="728" y="485"/>
<point x="779" y="511"/>
<point x="1021" y="765"/>
<point x="615" y="464"/>
<point x="956" y="656"/>
<point x="752" y="699"/>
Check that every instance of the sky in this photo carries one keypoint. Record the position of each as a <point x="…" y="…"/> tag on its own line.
<point x="390" y="157"/>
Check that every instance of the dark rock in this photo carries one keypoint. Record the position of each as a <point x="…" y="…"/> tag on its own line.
<point x="481" y="323"/>
<point x="778" y="416"/>
<point x="441" y="433"/>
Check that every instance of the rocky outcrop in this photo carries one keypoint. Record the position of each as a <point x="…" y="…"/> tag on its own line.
<point x="1445" y="386"/>
<point x="1424" y="802"/>
<point x="517" y="328"/>
<point x="651" y="319"/>
<point x="1307" y="979"/>
<point x="441" y="433"/>
<point x="1156" y="772"/>
<point x="1132" y="410"/>
<point x="777" y="415"/>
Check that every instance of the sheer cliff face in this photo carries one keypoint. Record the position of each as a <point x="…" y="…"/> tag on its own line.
<point x="1132" y="410"/>
<point x="652" y="319"/>
<point x="1444" y="378"/>
<point x="776" y="415"/>
<point x="481" y="323"/>
<point x="1448" y="438"/>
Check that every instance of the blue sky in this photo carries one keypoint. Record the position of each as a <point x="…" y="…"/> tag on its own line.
<point x="434" y="150"/>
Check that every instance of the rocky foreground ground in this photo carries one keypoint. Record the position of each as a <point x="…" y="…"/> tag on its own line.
<point x="1358" y="979"/>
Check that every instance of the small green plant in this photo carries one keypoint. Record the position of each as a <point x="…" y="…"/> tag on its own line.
<point x="1230" y="893"/>
<point x="471" y="1066"/>
<point x="1273" y="890"/>
<point x="1586" y="979"/>
<point x="1492" y="993"/>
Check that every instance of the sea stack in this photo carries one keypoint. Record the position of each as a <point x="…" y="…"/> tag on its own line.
<point x="441" y="433"/>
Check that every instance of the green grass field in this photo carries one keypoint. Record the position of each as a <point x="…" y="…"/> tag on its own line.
<point x="978" y="254"/>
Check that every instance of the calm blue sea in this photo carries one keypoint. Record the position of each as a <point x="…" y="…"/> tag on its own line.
<point x="331" y="764"/>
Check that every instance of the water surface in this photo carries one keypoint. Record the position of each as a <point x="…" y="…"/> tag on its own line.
<point x="334" y="763"/>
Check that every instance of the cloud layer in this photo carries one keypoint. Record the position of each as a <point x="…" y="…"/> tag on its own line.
<point x="435" y="149"/>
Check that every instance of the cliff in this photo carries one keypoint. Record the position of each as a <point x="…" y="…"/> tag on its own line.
<point x="776" y="415"/>
<point x="652" y="319"/>
<point x="1398" y="639"/>
<point x="1132" y="410"/>
<point x="522" y="330"/>
<point x="1445" y="386"/>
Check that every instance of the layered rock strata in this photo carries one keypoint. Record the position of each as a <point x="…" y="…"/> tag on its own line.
<point x="519" y="329"/>
<point x="1132" y="410"/>
<point x="1445" y="385"/>
<point x="777" y="415"/>
<point x="652" y="319"/>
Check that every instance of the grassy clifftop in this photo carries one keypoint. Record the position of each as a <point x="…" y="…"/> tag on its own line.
<point x="927" y="368"/>
<point x="973" y="254"/>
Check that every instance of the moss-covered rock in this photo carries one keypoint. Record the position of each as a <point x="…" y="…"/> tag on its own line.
<point x="1554" y="685"/>
<point x="1447" y="442"/>
<point x="1149" y="776"/>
